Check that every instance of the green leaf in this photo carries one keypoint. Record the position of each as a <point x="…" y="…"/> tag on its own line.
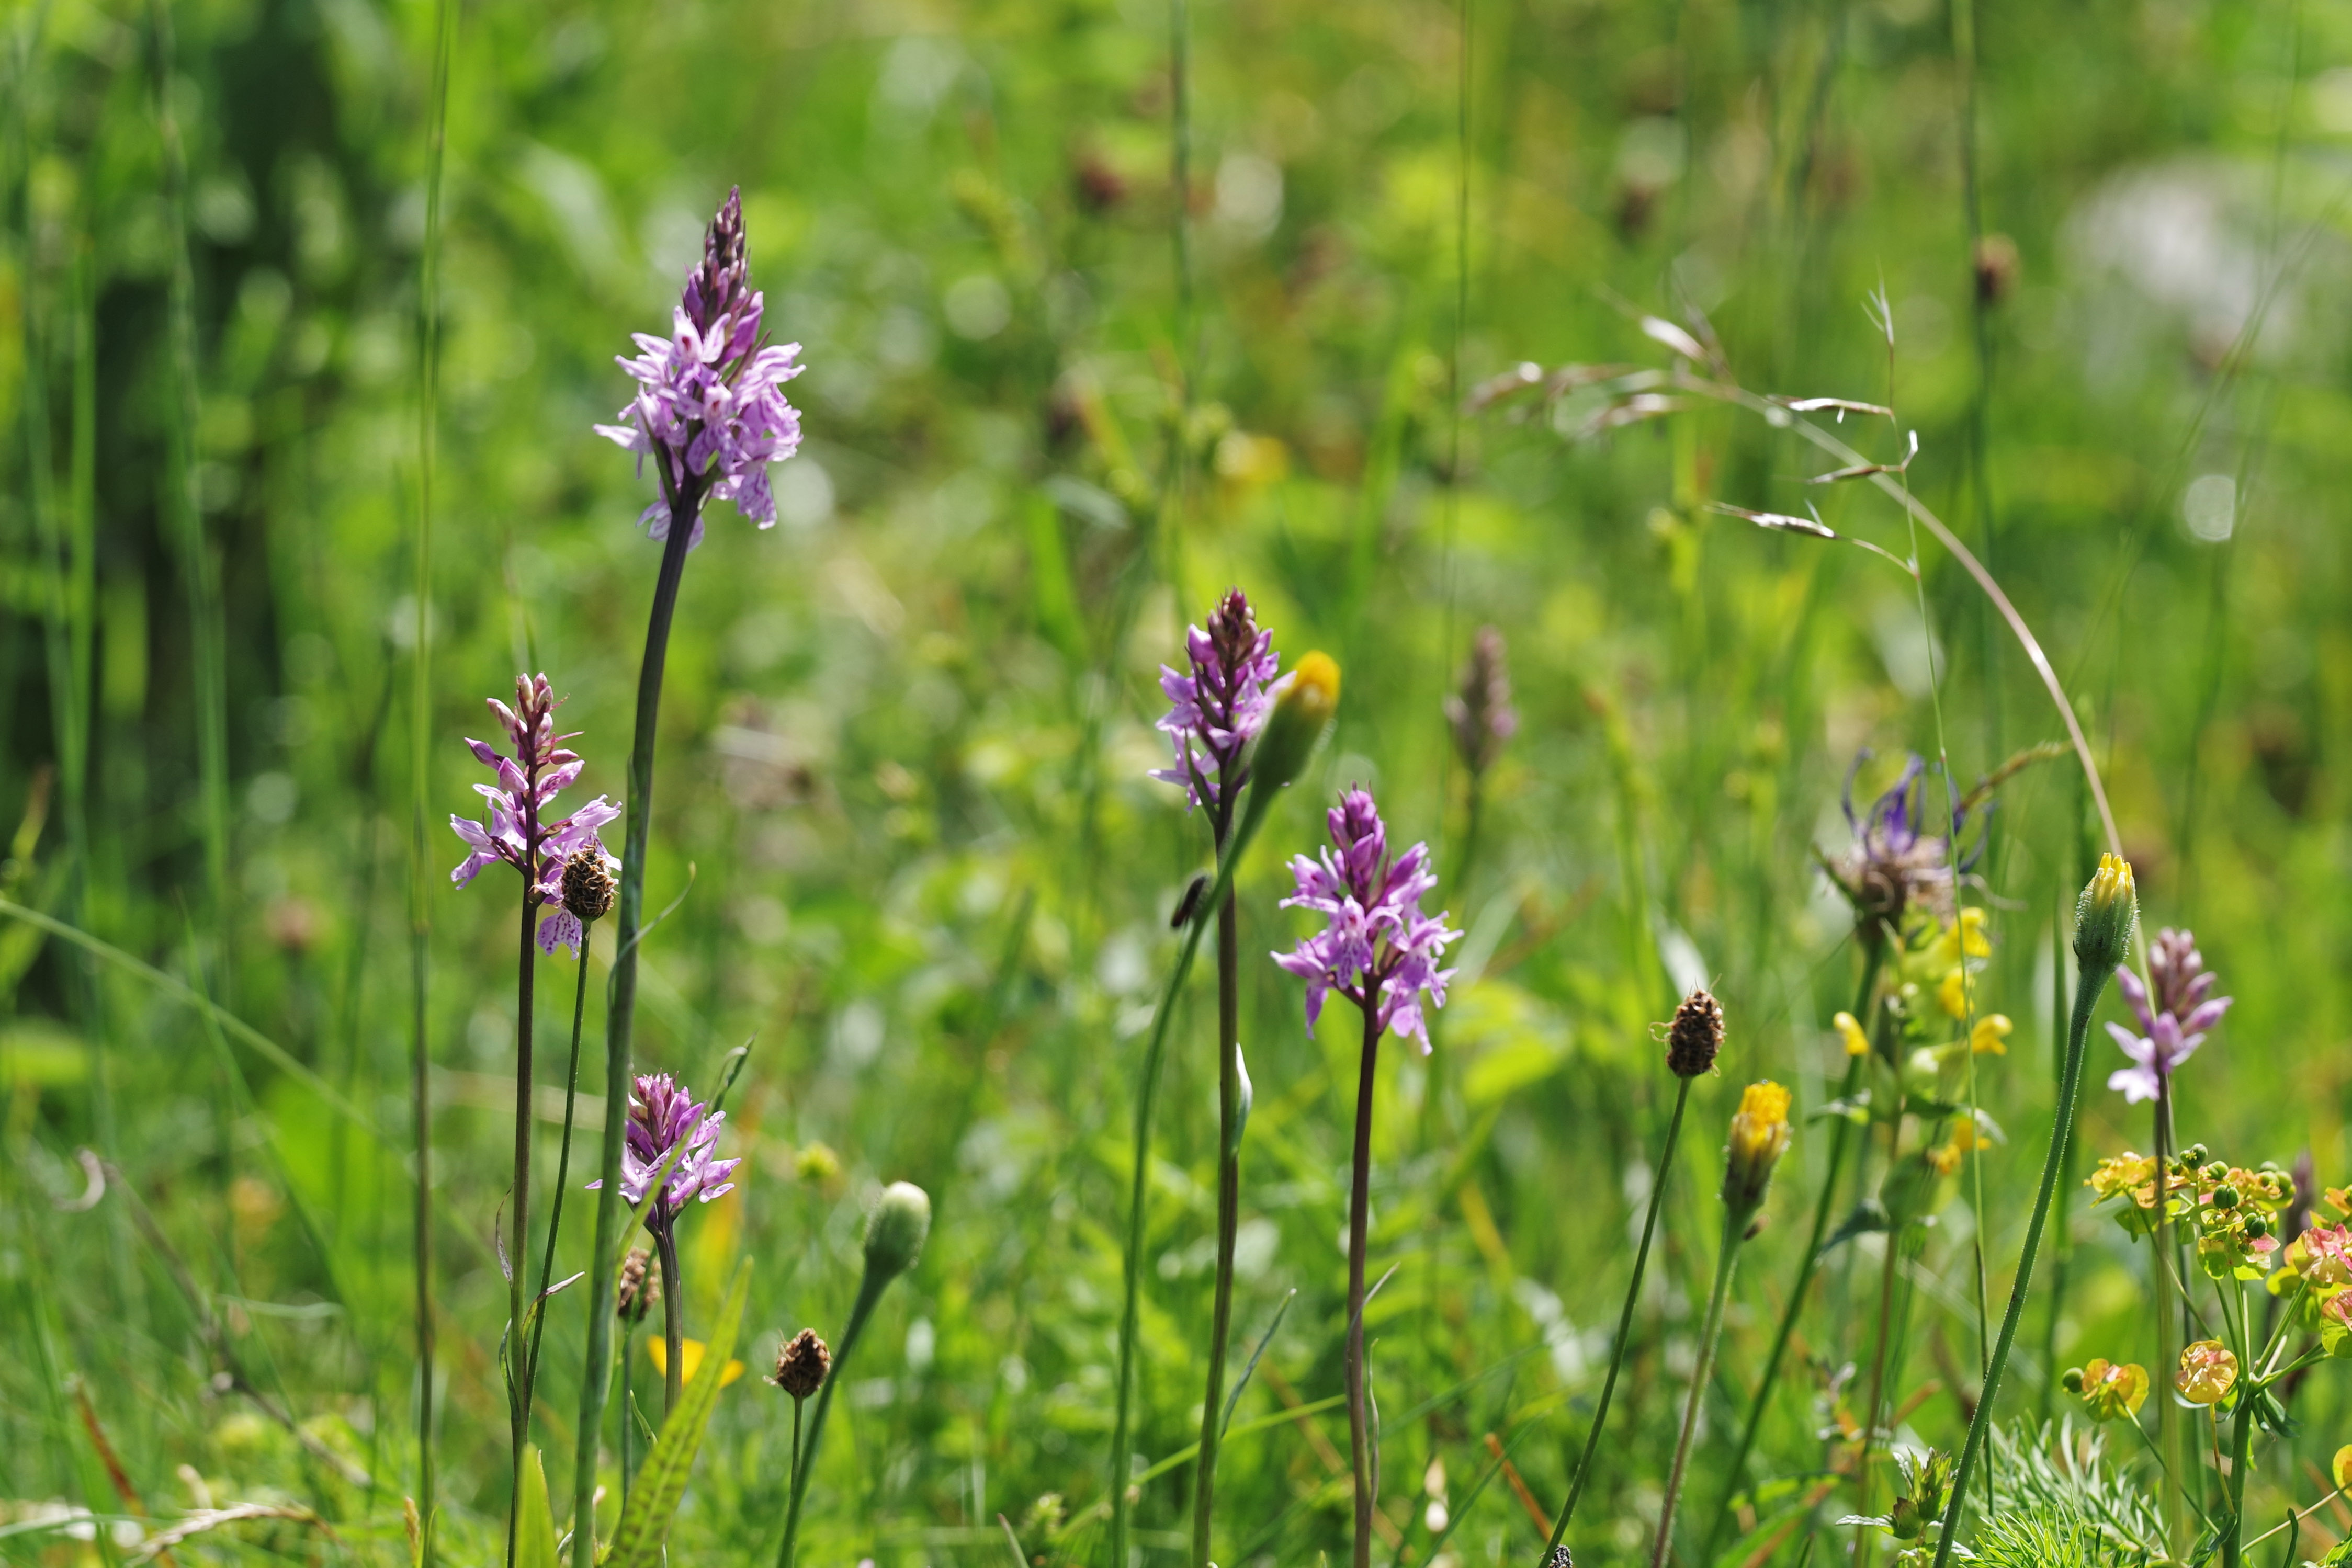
<point x="534" y="1520"/>
<point x="661" y="1482"/>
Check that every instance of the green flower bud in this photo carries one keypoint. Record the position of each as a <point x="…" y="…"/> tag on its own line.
<point x="895" y="1228"/>
<point x="2071" y="1380"/>
<point x="2105" y="917"/>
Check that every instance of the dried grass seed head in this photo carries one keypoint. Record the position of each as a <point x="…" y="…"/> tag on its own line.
<point x="640" y="1287"/>
<point x="803" y="1364"/>
<point x="1695" y="1036"/>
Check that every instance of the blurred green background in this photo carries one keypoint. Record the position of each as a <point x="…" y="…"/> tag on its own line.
<point x="901" y="800"/>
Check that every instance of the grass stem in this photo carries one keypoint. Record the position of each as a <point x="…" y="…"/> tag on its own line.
<point x="1727" y="1258"/>
<point x="2087" y="987"/>
<point x="1625" y="1318"/>
<point x="1874" y="953"/>
<point x="869" y="1292"/>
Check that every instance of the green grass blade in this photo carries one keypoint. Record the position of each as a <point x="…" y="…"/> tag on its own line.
<point x="534" y="1519"/>
<point x="662" y="1482"/>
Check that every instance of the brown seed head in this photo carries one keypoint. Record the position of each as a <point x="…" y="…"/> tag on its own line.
<point x="640" y="1287"/>
<point x="1695" y="1036"/>
<point x="1997" y="268"/>
<point x="802" y="1364"/>
<point x="588" y="889"/>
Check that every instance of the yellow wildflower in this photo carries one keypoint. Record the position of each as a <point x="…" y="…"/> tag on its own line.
<point x="1850" y="1030"/>
<point x="1989" y="1037"/>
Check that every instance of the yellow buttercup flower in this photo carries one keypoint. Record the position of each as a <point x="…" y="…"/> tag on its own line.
<point x="1989" y="1037"/>
<point x="1849" y="1029"/>
<point x="1759" y="1136"/>
<point x="689" y="1358"/>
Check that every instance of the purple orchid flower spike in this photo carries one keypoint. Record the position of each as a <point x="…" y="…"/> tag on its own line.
<point x="1217" y="709"/>
<point x="710" y="408"/>
<point x="2173" y="1022"/>
<point x="520" y="830"/>
<point x="664" y="1117"/>
<point x="1379" y="950"/>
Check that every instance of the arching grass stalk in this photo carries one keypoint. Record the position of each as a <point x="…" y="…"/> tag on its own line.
<point x="1873" y="954"/>
<point x="1693" y="1042"/>
<point x="1759" y="1136"/>
<point x="895" y="1232"/>
<point x="2103" y="929"/>
<point x="1295" y="731"/>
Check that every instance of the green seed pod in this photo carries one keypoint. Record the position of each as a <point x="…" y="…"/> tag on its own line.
<point x="2217" y="1171"/>
<point x="2225" y="1198"/>
<point x="2257" y="1227"/>
<point x="2195" y="1154"/>
<point x="2071" y="1380"/>
<point x="896" y="1229"/>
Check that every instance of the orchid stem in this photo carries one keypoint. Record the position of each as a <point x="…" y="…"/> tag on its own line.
<point x="563" y="1170"/>
<point x="1359" y="1219"/>
<point x="686" y="507"/>
<point x="1229" y="1190"/>
<point x="518" y="1281"/>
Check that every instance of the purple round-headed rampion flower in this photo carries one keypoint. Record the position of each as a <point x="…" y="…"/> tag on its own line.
<point x="1217" y="709"/>
<point x="1379" y="950"/>
<point x="2173" y="1022"/>
<point x="665" y="1116"/>
<point x="521" y="832"/>
<point x="1896" y="862"/>
<point x="711" y="406"/>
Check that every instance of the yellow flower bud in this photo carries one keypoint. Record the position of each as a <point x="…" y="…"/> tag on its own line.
<point x="1759" y="1136"/>
<point x="1301" y="718"/>
<point x="2105" y="917"/>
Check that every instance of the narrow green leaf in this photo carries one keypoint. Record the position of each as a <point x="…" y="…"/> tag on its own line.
<point x="661" y="1483"/>
<point x="534" y="1519"/>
